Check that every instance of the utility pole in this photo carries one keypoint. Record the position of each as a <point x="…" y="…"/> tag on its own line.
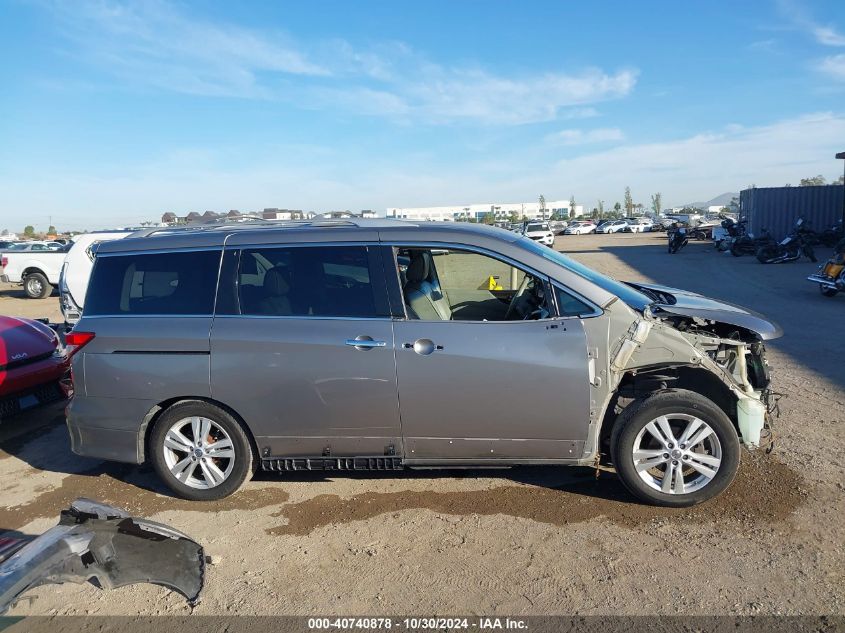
<point x="841" y="156"/>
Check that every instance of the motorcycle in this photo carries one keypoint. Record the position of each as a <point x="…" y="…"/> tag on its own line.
<point x="743" y="242"/>
<point x="831" y="275"/>
<point x="677" y="238"/>
<point x="790" y="248"/>
<point x="832" y="235"/>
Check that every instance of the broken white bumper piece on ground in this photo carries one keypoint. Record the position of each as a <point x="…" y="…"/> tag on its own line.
<point x="97" y="541"/>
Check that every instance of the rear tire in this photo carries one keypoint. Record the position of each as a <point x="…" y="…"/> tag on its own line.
<point x="766" y="253"/>
<point x="196" y="479"/>
<point x="36" y="286"/>
<point x="633" y="446"/>
<point x="828" y="292"/>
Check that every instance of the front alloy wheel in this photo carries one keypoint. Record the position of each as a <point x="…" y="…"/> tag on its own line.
<point x="675" y="448"/>
<point x="677" y="454"/>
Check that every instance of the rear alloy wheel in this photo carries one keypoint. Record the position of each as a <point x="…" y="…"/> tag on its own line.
<point x="675" y="448"/>
<point x="36" y="286"/>
<point x="200" y="451"/>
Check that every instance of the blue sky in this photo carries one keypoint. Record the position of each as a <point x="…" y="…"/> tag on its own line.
<point x="114" y="112"/>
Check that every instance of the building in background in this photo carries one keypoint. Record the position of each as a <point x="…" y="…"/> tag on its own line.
<point x="501" y="211"/>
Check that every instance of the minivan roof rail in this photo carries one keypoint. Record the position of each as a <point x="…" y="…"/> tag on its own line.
<point x="271" y="224"/>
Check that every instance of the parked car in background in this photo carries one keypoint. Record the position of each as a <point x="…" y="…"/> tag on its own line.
<point x="580" y="228"/>
<point x="76" y="271"/>
<point x="613" y="226"/>
<point x="558" y="226"/>
<point x="182" y="335"/>
<point x="638" y="225"/>
<point x="33" y="364"/>
<point x="36" y="246"/>
<point x="539" y="232"/>
<point x="37" y="269"/>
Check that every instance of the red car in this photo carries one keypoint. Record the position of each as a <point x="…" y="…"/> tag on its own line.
<point x="33" y="365"/>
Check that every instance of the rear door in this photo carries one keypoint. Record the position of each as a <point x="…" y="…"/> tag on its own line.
<point x="302" y="348"/>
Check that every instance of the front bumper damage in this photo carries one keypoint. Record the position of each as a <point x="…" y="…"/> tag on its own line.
<point x="101" y="543"/>
<point x="737" y="360"/>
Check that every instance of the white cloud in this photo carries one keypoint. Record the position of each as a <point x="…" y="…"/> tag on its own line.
<point x="833" y="66"/>
<point x="823" y="33"/>
<point x="694" y="168"/>
<point x="154" y="45"/>
<point x="585" y="137"/>
<point x="828" y="36"/>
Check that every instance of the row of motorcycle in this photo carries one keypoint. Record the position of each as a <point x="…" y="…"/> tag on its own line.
<point x="799" y="243"/>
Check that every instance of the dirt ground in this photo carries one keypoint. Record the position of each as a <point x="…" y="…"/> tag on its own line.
<point x="522" y="541"/>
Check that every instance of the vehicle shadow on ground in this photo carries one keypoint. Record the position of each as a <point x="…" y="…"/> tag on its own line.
<point x="811" y="322"/>
<point x="47" y="448"/>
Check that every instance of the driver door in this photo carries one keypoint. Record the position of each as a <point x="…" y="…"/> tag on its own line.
<point x="502" y="378"/>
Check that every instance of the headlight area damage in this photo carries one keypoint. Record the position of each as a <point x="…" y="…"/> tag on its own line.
<point x="691" y="340"/>
<point x="97" y="542"/>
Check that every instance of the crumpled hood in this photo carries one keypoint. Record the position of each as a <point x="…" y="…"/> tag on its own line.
<point x="691" y="304"/>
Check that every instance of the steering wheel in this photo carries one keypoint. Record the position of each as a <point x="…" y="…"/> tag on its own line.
<point x="518" y="299"/>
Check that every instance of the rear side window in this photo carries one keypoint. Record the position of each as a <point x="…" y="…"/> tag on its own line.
<point x="155" y="283"/>
<point x="331" y="281"/>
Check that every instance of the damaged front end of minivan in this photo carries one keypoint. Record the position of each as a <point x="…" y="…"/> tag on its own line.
<point x="715" y="348"/>
<point x="97" y="542"/>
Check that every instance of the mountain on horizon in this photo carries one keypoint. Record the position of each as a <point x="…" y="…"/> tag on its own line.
<point x="721" y="200"/>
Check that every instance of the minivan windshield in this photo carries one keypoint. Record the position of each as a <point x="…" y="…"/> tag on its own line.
<point x="633" y="298"/>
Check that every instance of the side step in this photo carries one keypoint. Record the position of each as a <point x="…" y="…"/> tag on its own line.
<point x="331" y="463"/>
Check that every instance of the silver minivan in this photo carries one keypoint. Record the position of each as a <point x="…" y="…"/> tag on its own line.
<point x="381" y="345"/>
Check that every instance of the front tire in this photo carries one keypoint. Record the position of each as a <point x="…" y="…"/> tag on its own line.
<point x="675" y="448"/>
<point x="200" y="451"/>
<point x="36" y="286"/>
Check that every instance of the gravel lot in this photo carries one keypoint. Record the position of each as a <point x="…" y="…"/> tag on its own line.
<point x="521" y="541"/>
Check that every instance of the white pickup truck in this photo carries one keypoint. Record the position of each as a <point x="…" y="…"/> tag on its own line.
<point x="37" y="270"/>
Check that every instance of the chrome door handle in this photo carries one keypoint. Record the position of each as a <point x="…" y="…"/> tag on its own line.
<point x="365" y="342"/>
<point x="423" y="346"/>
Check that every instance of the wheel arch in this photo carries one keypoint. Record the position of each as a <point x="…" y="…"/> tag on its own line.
<point x="158" y="410"/>
<point x="645" y="381"/>
<point x="29" y="270"/>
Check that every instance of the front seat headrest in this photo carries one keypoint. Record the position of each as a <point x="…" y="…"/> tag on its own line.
<point x="276" y="281"/>
<point x="418" y="268"/>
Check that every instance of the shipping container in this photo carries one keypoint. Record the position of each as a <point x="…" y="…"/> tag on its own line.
<point x="777" y="208"/>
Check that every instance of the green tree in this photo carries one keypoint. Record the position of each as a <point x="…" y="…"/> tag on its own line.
<point x="51" y="230"/>
<point x="572" y="206"/>
<point x="29" y="230"/>
<point x="616" y="209"/>
<point x="513" y="217"/>
<point x="814" y="180"/>
<point x="629" y="201"/>
<point x="656" y="202"/>
<point x="600" y="209"/>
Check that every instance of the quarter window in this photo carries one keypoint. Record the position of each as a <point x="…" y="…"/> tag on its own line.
<point x="156" y="283"/>
<point x="307" y="281"/>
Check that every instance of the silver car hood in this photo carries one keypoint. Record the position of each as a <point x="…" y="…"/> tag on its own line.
<point x="691" y="304"/>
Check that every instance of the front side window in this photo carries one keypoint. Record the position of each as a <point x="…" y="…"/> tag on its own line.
<point x="154" y="283"/>
<point x="457" y="285"/>
<point x="313" y="281"/>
